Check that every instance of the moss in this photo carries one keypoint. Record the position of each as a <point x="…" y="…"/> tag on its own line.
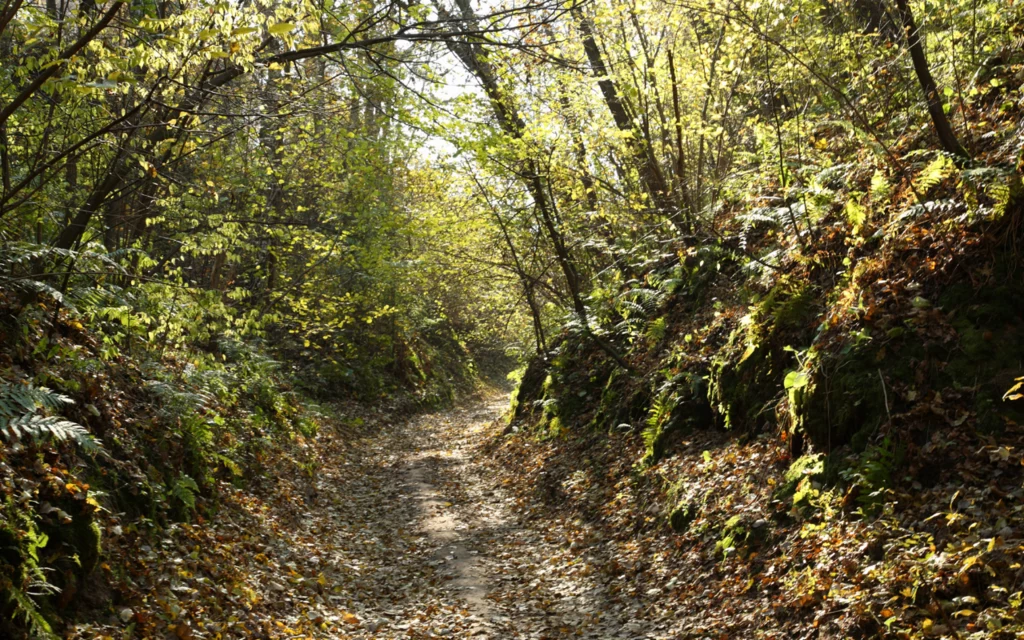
<point x="790" y="308"/>
<point x="737" y="373"/>
<point x="569" y="390"/>
<point x="81" y="537"/>
<point x="989" y="352"/>
<point x="747" y="373"/>
<point x="738" y="535"/>
<point x="89" y="543"/>
<point x="848" y="390"/>
<point x="530" y="388"/>
<point x="608" y="409"/>
<point x="811" y="467"/>
<point x="988" y="356"/>
<point x="843" y="399"/>
<point x="682" y="516"/>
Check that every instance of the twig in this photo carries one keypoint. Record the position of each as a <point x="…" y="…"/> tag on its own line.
<point x="885" y="395"/>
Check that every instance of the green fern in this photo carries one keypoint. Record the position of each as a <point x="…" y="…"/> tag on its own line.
<point x="178" y="400"/>
<point x="185" y="490"/>
<point x="51" y="427"/>
<point x="93" y="254"/>
<point x="24" y="607"/>
<point x="998" y="184"/>
<point x="771" y="216"/>
<point x="228" y="464"/>
<point x="659" y="413"/>
<point x="17" y="258"/>
<point x="657" y="329"/>
<point x="880" y="187"/>
<point x="19" y="417"/>
<point x="935" y="172"/>
<point x="27" y="285"/>
<point x="17" y="400"/>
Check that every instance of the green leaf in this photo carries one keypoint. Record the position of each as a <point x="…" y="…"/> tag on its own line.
<point x="281" y="28"/>
<point x="796" y="380"/>
<point x="879" y="186"/>
<point x="855" y="213"/>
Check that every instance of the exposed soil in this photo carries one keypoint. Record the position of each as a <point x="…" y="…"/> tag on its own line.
<point x="403" y="532"/>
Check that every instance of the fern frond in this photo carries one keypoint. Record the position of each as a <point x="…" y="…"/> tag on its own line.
<point x="761" y="215"/>
<point x="659" y="413"/>
<point x="26" y="608"/>
<point x="19" y="417"/>
<point x="29" y="285"/>
<point x="52" y="427"/>
<point x="185" y="489"/>
<point x="98" y="297"/>
<point x="835" y="176"/>
<point x="178" y="398"/>
<point x="935" y="172"/>
<point x="17" y="400"/>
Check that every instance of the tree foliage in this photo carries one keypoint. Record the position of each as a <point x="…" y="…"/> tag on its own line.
<point x="370" y="197"/>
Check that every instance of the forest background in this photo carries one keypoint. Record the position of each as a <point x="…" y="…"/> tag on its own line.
<point x="739" y="213"/>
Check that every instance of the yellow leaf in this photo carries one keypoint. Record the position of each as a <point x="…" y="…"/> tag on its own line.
<point x="748" y="352"/>
<point x="281" y="28"/>
<point x="970" y="562"/>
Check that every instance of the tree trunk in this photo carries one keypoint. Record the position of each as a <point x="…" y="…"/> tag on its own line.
<point x="936" y="109"/>
<point x="474" y="57"/>
<point x="643" y="155"/>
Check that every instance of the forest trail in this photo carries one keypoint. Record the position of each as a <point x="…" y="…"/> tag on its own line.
<point x="428" y="544"/>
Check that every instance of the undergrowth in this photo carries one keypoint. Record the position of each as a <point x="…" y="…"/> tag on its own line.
<point x="120" y="416"/>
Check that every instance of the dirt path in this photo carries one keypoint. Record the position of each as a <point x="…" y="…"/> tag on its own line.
<point x="386" y="530"/>
<point x="446" y="554"/>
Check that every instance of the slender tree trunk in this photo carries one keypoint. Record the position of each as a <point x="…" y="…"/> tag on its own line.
<point x="681" y="177"/>
<point x="643" y="155"/>
<point x="524" y="278"/>
<point x="78" y="224"/>
<point x="936" y="109"/>
<point x="7" y="16"/>
<point x="474" y="57"/>
<point x="587" y="180"/>
<point x="5" y="162"/>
